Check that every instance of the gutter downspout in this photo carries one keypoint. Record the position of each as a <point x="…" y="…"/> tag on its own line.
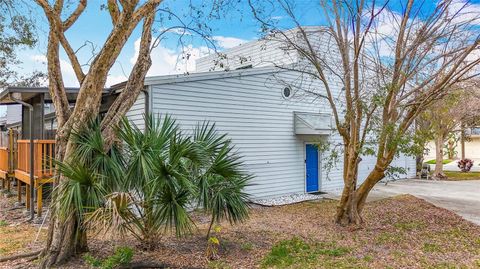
<point x="32" y="162"/>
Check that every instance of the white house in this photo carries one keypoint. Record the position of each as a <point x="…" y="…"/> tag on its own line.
<point x="269" y="113"/>
<point x="266" y="111"/>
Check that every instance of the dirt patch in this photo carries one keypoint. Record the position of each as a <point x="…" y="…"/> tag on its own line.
<point x="16" y="234"/>
<point x="400" y="232"/>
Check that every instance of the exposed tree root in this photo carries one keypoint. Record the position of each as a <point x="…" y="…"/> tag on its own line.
<point x="20" y="256"/>
<point x="439" y="176"/>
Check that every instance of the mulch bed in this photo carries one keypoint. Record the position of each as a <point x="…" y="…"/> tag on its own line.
<point x="399" y="232"/>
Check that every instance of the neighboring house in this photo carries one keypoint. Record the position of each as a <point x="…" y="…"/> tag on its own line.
<point x="472" y="144"/>
<point x="14" y="114"/>
<point x="273" y="121"/>
<point x="45" y="125"/>
<point x="472" y="147"/>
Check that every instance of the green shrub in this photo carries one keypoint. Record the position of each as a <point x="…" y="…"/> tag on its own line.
<point x="146" y="184"/>
<point x="295" y="251"/>
<point x="121" y="256"/>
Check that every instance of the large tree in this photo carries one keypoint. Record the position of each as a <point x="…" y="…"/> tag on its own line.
<point x="17" y="31"/>
<point x="393" y="60"/>
<point x="66" y="235"/>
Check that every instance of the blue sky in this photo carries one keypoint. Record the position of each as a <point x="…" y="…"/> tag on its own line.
<point x="94" y="26"/>
<point x="236" y="26"/>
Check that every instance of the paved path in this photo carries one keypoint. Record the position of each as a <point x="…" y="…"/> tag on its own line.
<point x="461" y="197"/>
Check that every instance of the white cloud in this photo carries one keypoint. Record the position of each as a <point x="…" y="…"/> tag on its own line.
<point x="465" y="12"/>
<point x="114" y="79"/>
<point x="166" y="61"/>
<point x="40" y="58"/>
<point x="385" y="30"/>
<point x="68" y="74"/>
<point x="227" y="42"/>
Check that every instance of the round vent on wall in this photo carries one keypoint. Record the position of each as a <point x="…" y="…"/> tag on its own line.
<point x="287" y="92"/>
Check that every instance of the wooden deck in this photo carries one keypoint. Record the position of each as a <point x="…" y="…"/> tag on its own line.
<point x="8" y="142"/>
<point x="4" y="168"/>
<point x="4" y="162"/>
<point x="43" y="168"/>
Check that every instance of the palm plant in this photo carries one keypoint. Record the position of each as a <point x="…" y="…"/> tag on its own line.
<point x="148" y="183"/>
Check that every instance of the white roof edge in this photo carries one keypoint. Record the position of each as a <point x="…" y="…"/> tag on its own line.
<point x="167" y="79"/>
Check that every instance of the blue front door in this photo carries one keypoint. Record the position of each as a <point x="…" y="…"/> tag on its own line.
<point x="311" y="166"/>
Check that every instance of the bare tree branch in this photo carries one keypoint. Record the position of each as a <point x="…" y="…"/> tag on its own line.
<point x="82" y="4"/>
<point x="114" y="11"/>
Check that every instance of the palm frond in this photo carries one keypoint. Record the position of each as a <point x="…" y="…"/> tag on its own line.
<point x="147" y="183"/>
<point x="116" y="216"/>
<point x="81" y="192"/>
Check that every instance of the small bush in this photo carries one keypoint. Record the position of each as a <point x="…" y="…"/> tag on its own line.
<point x="465" y="165"/>
<point x="121" y="256"/>
<point x="213" y="245"/>
<point x="297" y="252"/>
<point x="3" y="223"/>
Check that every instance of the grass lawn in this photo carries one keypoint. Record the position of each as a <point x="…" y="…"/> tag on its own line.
<point x="400" y="232"/>
<point x="462" y="175"/>
<point x="444" y="161"/>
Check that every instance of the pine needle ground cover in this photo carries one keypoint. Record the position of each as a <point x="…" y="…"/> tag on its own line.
<point x="399" y="232"/>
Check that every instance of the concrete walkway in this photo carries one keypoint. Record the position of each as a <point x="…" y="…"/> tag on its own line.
<point x="461" y="197"/>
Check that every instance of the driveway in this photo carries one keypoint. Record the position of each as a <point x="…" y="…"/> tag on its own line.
<point x="461" y="197"/>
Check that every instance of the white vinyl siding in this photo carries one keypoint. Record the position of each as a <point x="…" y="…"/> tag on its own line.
<point x="14" y="114"/>
<point x="137" y="112"/>
<point x="257" y="54"/>
<point x="249" y="107"/>
<point x="255" y="116"/>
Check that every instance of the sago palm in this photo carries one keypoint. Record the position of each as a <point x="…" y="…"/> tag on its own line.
<point x="150" y="180"/>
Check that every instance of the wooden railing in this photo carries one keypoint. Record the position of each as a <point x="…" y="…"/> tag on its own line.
<point x="44" y="154"/>
<point x="4" y="159"/>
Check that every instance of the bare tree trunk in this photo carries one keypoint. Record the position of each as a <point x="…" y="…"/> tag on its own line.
<point x="67" y="237"/>
<point x="377" y="174"/>
<point x="438" y="173"/>
<point x="462" y="140"/>
<point x="347" y="211"/>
